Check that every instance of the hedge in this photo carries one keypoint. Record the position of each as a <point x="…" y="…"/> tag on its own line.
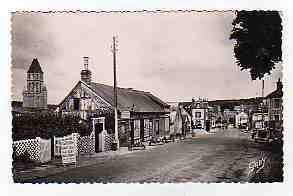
<point x="47" y="125"/>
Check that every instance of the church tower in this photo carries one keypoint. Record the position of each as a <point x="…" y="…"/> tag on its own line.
<point x="35" y="94"/>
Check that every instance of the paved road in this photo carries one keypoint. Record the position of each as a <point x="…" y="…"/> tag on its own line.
<point x="225" y="156"/>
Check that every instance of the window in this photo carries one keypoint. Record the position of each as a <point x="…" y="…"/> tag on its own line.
<point x="277" y="103"/>
<point x="277" y="117"/>
<point x="197" y="114"/>
<point x="29" y="86"/>
<point x="76" y="103"/>
<point x="136" y="129"/>
<point x="157" y="127"/>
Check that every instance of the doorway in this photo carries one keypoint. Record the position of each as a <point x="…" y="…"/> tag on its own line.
<point x="98" y="128"/>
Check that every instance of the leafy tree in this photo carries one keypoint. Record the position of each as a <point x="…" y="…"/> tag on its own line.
<point x="258" y="36"/>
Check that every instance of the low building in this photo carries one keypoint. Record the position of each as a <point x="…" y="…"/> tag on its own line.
<point x="141" y="115"/>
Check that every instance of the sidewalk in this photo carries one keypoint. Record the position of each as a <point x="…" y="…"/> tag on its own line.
<point x="21" y="174"/>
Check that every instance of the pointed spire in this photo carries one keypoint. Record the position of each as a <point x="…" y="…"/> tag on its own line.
<point x="35" y="67"/>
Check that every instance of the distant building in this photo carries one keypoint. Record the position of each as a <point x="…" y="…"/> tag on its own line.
<point x="35" y="94"/>
<point x="274" y="105"/>
<point x="182" y="123"/>
<point x="199" y="111"/>
<point x="241" y="120"/>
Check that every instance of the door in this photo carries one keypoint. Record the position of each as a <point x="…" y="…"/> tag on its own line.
<point x="142" y="130"/>
<point x="157" y="132"/>
<point x="208" y="125"/>
<point x="132" y="132"/>
<point x="98" y="130"/>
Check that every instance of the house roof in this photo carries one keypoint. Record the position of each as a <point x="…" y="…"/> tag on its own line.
<point x="35" y="67"/>
<point x="127" y="98"/>
<point x="275" y="94"/>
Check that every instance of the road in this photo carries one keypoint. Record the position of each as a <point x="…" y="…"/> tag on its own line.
<point x="224" y="156"/>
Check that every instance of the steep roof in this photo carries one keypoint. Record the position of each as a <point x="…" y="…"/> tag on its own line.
<point x="35" y="67"/>
<point x="275" y="94"/>
<point x="278" y="93"/>
<point x="126" y="98"/>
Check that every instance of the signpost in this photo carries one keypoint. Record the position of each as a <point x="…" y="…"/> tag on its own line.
<point x="69" y="149"/>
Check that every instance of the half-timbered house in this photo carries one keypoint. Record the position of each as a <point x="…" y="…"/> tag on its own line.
<point x="141" y="115"/>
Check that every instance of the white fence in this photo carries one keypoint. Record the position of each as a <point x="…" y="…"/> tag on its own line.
<point x="38" y="149"/>
<point x="45" y="150"/>
<point x="85" y="144"/>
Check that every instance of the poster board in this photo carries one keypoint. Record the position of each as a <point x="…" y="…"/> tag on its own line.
<point x="69" y="149"/>
<point x="125" y="115"/>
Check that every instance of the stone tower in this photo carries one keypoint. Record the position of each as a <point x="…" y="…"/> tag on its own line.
<point x="35" y="94"/>
<point x="86" y="74"/>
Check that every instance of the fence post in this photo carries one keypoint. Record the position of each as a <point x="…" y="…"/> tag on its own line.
<point x="38" y="148"/>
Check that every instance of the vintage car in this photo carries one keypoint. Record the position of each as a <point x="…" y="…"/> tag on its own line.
<point x="263" y="135"/>
<point x="266" y="134"/>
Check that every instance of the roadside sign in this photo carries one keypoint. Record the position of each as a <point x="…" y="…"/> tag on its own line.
<point x="68" y="149"/>
<point x="125" y="115"/>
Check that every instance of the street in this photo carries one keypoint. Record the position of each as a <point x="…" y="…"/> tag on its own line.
<point x="224" y="156"/>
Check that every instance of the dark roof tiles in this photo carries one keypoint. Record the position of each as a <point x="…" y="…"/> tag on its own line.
<point x="127" y="98"/>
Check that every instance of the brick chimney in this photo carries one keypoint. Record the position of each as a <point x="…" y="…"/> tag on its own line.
<point x="86" y="74"/>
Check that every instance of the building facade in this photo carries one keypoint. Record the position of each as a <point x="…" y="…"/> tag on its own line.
<point x="199" y="113"/>
<point x="35" y="94"/>
<point x="274" y="103"/>
<point x="141" y="115"/>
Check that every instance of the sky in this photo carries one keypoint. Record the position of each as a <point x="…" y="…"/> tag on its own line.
<point x="174" y="56"/>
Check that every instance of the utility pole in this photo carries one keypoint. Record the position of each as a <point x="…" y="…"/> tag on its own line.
<point x="262" y="108"/>
<point x="114" y="50"/>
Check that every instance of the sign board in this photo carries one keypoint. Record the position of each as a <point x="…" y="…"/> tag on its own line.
<point x="68" y="149"/>
<point x="125" y="115"/>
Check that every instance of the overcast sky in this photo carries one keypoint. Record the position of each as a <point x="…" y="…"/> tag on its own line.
<point x="174" y="56"/>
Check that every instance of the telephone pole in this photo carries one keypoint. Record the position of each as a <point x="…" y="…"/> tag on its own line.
<point x="262" y="108"/>
<point x="114" y="50"/>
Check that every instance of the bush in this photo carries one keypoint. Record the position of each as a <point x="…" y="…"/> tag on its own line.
<point x="47" y="125"/>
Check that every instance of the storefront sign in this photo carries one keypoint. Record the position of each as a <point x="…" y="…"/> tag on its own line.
<point x="125" y="115"/>
<point x="68" y="149"/>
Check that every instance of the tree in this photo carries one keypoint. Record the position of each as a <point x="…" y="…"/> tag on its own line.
<point x="258" y="36"/>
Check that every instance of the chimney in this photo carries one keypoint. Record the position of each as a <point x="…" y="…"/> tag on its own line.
<point x="86" y="74"/>
<point x="279" y="84"/>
